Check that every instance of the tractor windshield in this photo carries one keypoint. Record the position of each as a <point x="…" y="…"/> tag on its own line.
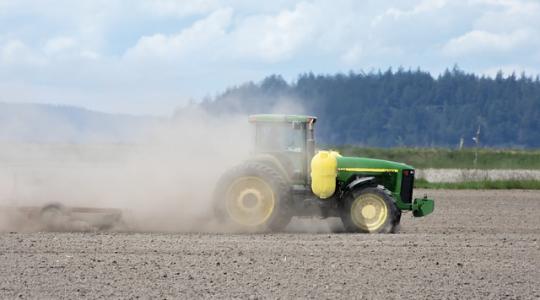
<point x="280" y="137"/>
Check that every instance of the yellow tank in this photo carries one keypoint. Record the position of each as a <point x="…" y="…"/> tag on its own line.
<point x="324" y="173"/>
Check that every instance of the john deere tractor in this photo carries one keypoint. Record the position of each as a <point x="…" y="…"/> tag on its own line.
<point x="287" y="177"/>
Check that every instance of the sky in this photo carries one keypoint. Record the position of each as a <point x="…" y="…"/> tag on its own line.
<point x="150" y="57"/>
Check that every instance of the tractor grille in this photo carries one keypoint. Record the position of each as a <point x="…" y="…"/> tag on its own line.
<point x="407" y="186"/>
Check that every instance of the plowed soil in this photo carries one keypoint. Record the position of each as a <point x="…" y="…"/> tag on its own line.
<point x="477" y="244"/>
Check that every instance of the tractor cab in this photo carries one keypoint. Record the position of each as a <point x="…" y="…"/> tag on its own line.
<point x="288" y="141"/>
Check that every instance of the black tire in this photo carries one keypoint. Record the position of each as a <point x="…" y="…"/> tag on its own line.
<point x="385" y="215"/>
<point x="253" y="180"/>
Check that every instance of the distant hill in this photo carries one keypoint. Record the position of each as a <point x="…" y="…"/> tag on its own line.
<point x="44" y="123"/>
<point x="401" y="108"/>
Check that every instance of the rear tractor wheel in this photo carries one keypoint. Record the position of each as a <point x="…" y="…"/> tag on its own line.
<point x="254" y="197"/>
<point x="370" y="210"/>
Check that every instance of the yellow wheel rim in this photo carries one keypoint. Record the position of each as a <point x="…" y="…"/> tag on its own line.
<point x="250" y="201"/>
<point x="369" y="212"/>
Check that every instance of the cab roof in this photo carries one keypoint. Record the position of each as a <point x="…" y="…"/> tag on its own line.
<point x="279" y="118"/>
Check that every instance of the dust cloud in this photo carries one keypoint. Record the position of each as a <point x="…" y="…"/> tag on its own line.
<point x="163" y="182"/>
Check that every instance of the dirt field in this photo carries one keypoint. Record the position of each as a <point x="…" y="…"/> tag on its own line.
<point x="477" y="244"/>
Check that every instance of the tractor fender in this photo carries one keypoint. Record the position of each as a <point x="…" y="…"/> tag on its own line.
<point x="359" y="182"/>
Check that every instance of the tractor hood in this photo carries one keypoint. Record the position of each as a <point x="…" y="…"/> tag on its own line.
<point x="369" y="165"/>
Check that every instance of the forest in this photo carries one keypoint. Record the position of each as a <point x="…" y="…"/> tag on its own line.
<point x="401" y="108"/>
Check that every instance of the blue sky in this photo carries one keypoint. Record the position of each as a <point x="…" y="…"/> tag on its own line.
<point x="149" y="57"/>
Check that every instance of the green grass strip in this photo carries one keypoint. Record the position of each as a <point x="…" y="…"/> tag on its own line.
<point x="480" y="185"/>
<point x="441" y="158"/>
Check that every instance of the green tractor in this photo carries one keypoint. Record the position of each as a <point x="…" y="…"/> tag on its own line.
<point x="286" y="178"/>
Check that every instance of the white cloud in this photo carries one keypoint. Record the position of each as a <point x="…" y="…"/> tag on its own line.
<point x="199" y="37"/>
<point x="59" y="44"/>
<point x="424" y="6"/>
<point x="510" y="16"/>
<point x="179" y="8"/>
<point x="15" y="52"/>
<point x="277" y="37"/>
<point x="482" y="42"/>
<point x="88" y="54"/>
<point x="266" y="37"/>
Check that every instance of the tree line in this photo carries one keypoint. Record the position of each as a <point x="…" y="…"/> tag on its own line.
<point x="401" y="107"/>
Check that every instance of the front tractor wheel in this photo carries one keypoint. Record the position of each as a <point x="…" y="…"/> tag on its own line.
<point x="370" y="210"/>
<point x="253" y="196"/>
